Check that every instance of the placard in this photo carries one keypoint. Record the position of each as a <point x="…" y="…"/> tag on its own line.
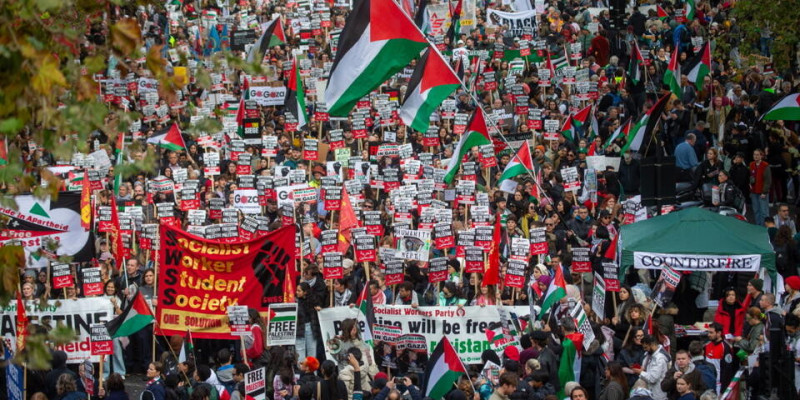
<point x="238" y="319"/>
<point x="92" y="282"/>
<point x="282" y="324"/>
<point x="62" y="276"/>
<point x="101" y="340"/>
<point x="581" y="262"/>
<point x="255" y="384"/>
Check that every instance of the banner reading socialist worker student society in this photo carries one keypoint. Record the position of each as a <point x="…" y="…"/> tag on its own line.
<point x="200" y="278"/>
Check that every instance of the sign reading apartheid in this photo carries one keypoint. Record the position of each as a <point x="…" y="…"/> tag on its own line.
<point x="79" y="315"/>
<point x="464" y="327"/>
<point x="200" y="278"/>
<point x="35" y="223"/>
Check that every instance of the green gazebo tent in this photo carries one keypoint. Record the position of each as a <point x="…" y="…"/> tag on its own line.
<point x="696" y="239"/>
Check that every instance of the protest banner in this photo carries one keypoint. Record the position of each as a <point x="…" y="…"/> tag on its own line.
<point x="282" y="324"/>
<point x="255" y="384"/>
<point x="34" y="223"/>
<point x="464" y="326"/>
<point x="665" y="286"/>
<point x="100" y="340"/>
<point x="78" y="315"/>
<point x="518" y="23"/>
<point x="698" y="262"/>
<point x="199" y="278"/>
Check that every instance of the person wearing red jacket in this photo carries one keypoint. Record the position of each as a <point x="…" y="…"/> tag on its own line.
<point x="731" y="313"/>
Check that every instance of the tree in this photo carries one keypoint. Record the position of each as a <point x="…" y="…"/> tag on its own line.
<point x="780" y="17"/>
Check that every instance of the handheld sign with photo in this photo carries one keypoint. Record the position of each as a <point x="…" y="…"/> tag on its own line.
<point x="282" y="328"/>
<point x="665" y="286"/>
<point x="238" y="317"/>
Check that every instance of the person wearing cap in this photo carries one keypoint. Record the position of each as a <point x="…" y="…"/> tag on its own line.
<point x="792" y="296"/>
<point x="755" y="289"/>
<point x="739" y="174"/>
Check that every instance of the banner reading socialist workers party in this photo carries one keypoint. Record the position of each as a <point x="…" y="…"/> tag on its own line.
<point x="35" y="222"/>
<point x="200" y="278"/>
<point x="465" y="327"/>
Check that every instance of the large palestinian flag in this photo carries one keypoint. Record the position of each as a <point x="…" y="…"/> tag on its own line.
<point x="273" y="36"/>
<point x="378" y="40"/>
<point x="40" y="221"/>
<point x="431" y="83"/>
<point x="296" y="97"/>
<point x="787" y="109"/>
<point x="623" y="130"/>
<point x="477" y="134"/>
<point x="136" y="316"/>
<point x="443" y="370"/>
<point x="172" y="139"/>
<point x="700" y="66"/>
<point x="519" y="165"/>
<point x="645" y="125"/>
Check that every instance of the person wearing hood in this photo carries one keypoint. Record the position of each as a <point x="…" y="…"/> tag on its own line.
<point x="59" y="364"/>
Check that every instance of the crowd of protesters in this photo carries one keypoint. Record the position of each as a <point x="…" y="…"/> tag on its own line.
<point x="714" y="133"/>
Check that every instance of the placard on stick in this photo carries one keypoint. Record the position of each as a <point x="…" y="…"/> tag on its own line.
<point x="238" y="317"/>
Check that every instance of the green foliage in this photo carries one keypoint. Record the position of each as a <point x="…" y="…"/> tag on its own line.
<point x="780" y="16"/>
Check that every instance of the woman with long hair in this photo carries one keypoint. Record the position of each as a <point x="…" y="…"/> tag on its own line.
<point x="330" y="387"/>
<point x="616" y="383"/>
<point x="255" y="350"/>
<point x="308" y="303"/>
<point x="487" y="297"/>
<point x="632" y="355"/>
<point x="731" y="313"/>
<point x="67" y="388"/>
<point x="114" y="388"/>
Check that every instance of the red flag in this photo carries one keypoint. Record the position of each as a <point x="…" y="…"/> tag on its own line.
<point x="492" y="275"/>
<point x="117" y="248"/>
<point x="611" y="252"/>
<point x="22" y="323"/>
<point x="86" y="202"/>
<point x="347" y="221"/>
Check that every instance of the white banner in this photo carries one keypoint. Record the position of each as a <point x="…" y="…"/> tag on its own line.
<point x="697" y="262"/>
<point x="464" y="327"/>
<point x="76" y="314"/>
<point x="517" y="22"/>
<point x="268" y="95"/>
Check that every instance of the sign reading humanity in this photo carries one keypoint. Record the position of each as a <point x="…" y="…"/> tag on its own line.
<point x="697" y="262"/>
<point x="199" y="278"/>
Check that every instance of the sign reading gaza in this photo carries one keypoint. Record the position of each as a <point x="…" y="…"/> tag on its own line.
<point x="698" y="262"/>
<point x="199" y="278"/>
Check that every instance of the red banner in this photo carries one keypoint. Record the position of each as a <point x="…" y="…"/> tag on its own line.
<point x="200" y="278"/>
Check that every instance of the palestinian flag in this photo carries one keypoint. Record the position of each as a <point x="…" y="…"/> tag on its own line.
<point x="580" y="117"/>
<point x="378" y="40"/>
<point x="431" y="83"/>
<point x="495" y="336"/>
<point x="455" y="25"/>
<point x="520" y="164"/>
<point x="700" y="66"/>
<point x="568" y="130"/>
<point x="555" y="292"/>
<point x="570" y="364"/>
<point x="170" y="140"/>
<point x="621" y="130"/>
<point x="635" y="65"/>
<point x="689" y="10"/>
<point x="477" y="134"/>
<point x="136" y="316"/>
<point x="366" y="314"/>
<point x="672" y="75"/>
<point x="187" y="350"/>
<point x="421" y="18"/>
<point x="662" y="15"/>
<point x="645" y="125"/>
<point x="443" y="370"/>
<point x="273" y="36"/>
<point x="240" y="110"/>
<point x="787" y="109"/>
<point x="296" y="97"/>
